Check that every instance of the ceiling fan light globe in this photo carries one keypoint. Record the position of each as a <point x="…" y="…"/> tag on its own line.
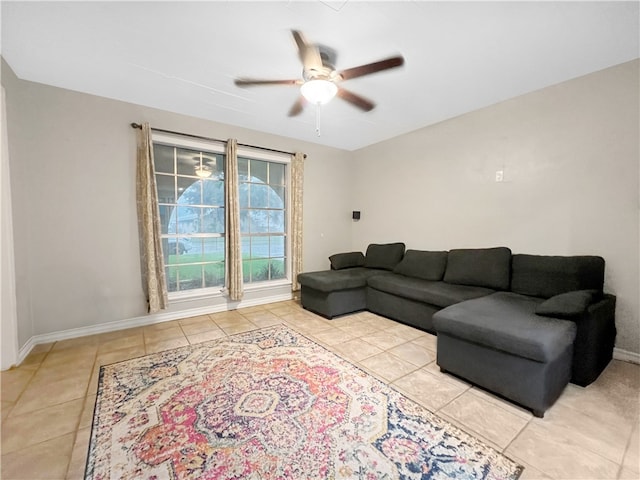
<point x="203" y="171"/>
<point x="318" y="91"/>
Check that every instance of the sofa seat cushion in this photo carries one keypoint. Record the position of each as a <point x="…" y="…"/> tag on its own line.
<point x="439" y="294"/>
<point x="333" y="280"/>
<point x="507" y="322"/>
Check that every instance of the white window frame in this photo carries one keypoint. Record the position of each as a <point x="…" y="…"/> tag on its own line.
<point x="276" y="157"/>
<point x="247" y="152"/>
<point x="181" y="141"/>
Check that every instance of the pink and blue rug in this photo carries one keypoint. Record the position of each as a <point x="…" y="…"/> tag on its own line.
<point x="270" y="404"/>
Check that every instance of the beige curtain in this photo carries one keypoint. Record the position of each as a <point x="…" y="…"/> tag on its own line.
<point x="152" y="261"/>
<point x="297" y="180"/>
<point x="232" y="207"/>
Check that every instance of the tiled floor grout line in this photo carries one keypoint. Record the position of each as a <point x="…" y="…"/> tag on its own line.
<point x="412" y="371"/>
<point x="636" y="426"/>
<point x="9" y="415"/>
<point x="438" y="410"/>
<point x="518" y="434"/>
<point x="541" y="469"/>
<point x="595" y="452"/>
<point x="26" y="385"/>
<point x="74" y="432"/>
<point x="619" y="464"/>
<point x="501" y="405"/>
<point x="84" y="405"/>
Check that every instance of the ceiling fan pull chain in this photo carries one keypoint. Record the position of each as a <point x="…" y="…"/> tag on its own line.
<point x="318" y="119"/>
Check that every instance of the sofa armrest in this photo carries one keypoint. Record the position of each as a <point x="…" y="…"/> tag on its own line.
<point x="595" y="339"/>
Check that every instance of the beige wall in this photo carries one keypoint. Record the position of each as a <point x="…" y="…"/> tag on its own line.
<point x="570" y="157"/>
<point x="72" y="171"/>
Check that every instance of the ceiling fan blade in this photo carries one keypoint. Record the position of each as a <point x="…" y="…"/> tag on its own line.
<point x="296" y="108"/>
<point x="309" y="54"/>
<point x="360" y="102"/>
<point x="248" y="82"/>
<point x="369" y="68"/>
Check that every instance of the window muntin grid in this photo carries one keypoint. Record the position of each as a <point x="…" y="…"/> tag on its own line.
<point x="263" y="219"/>
<point x="191" y="216"/>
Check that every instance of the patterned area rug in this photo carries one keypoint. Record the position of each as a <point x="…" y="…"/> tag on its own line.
<point x="270" y="404"/>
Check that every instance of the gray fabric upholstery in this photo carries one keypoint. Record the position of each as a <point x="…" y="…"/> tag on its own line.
<point x="412" y="312"/>
<point x="546" y="276"/>
<point x="333" y="304"/>
<point x="507" y="322"/>
<point x="422" y="264"/>
<point x="567" y="305"/>
<point x="530" y="383"/>
<point x="481" y="267"/>
<point x="439" y="294"/>
<point x="346" y="260"/>
<point x="333" y="280"/>
<point x="593" y="347"/>
<point x="500" y="327"/>
<point x="499" y="343"/>
<point x="384" y="256"/>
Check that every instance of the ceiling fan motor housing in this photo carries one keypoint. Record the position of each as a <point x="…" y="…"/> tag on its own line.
<point x="328" y="56"/>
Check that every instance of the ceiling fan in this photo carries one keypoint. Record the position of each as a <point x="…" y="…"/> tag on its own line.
<point x="320" y="80"/>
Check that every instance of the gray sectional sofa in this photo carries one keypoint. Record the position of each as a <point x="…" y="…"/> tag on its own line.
<point x="522" y="326"/>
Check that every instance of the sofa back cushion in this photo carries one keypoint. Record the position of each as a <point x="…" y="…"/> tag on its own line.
<point x="422" y="264"/>
<point x="546" y="276"/>
<point x="384" y="256"/>
<point x="346" y="260"/>
<point x="481" y="267"/>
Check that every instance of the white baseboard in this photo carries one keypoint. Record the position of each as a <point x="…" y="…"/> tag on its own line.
<point x="141" y="322"/>
<point x="626" y="356"/>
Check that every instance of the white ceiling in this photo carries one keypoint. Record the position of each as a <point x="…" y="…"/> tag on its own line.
<point x="183" y="57"/>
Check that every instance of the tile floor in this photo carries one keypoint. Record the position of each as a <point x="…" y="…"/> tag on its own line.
<point x="590" y="433"/>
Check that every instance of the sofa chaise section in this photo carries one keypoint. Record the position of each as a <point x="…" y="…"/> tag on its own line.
<point x="342" y="289"/>
<point x="499" y="343"/>
<point x="334" y="292"/>
<point x="554" y="326"/>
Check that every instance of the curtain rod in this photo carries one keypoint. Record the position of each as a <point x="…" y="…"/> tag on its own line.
<point x="137" y="125"/>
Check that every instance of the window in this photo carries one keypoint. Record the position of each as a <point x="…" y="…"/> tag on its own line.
<point x="190" y="183"/>
<point x="263" y="219"/>
<point x="191" y="195"/>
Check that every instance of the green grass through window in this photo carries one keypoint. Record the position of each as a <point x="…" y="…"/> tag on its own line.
<point x="190" y="267"/>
